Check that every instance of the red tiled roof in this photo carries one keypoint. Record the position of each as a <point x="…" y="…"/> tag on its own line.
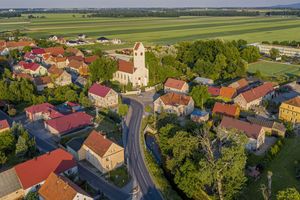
<point x="42" y="80"/>
<point x="175" y="99"/>
<point x="2" y="43"/>
<point x="55" y="51"/>
<point x="174" y="83"/>
<point x="90" y="59"/>
<point x="251" y="130"/>
<point x="23" y="75"/>
<point x="214" y="91"/>
<point x="38" y="169"/>
<point x="75" y="64"/>
<point x="29" y="66"/>
<point x="77" y="58"/>
<point x="240" y="84"/>
<point x="293" y="102"/>
<point x="227" y="92"/>
<point x="70" y="122"/>
<point x="99" y="90"/>
<point x="125" y="66"/>
<point x="98" y="143"/>
<point x="19" y="44"/>
<point x="29" y="55"/>
<point x="38" y="51"/>
<point x="258" y="92"/>
<point x="4" y="124"/>
<point x="225" y="109"/>
<point x="54" y="70"/>
<point x="44" y="107"/>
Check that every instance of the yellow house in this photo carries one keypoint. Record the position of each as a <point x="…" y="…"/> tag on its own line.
<point x="102" y="153"/>
<point x="290" y="110"/>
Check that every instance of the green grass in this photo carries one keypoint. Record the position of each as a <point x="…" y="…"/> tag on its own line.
<point x="119" y="176"/>
<point x="153" y="30"/>
<point x="269" y="68"/>
<point x="283" y="168"/>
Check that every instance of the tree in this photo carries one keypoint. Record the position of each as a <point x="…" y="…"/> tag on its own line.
<point x="32" y="196"/>
<point x="123" y="109"/>
<point x="274" y="53"/>
<point x="288" y="194"/>
<point x="21" y="146"/>
<point x="3" y="158"/>
<point x="102" y="69"/>
<point x="7" y="141"/>
<point x="250" y="54"/>
<point x="27" y="49"/>
<point x="200" y="95"/>
<point x="84" y="100"/>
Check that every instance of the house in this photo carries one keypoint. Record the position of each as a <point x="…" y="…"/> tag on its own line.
<point x="82" y="36"/>
<point x="10" y="187"/>
<point x="38" y="52"/>
<point x="290" y="110"/>
<point x="4" y="125"/>
<point x="254" y="132"/>
<point x="74" y="145"/>
<point x="58" y="187"/>
<point x="19" y="45"/>
<point x="179" y="104"/>
<point x="283" y="50"/>
<point x="33" y="69"/>
<point x="33" y="173"/>
<point x="43" y="111"/>
<point x="77" y="58"/>
<point x="19" y="76"/>
<point x="60" y="77"/>
<point x="174" y="85"/>
<point x="227" y="93"/>
<point x="239" y="85"/>
<point x="42" y="83"/>
<point x="60" y="62"/>
<point x="74" y="52"/>
<point x="78" y="67"/>
<point x="67" y="123"/>
<point x="90" y="59"/>
<point x="74" y="107"/>
<point x="103" y="96"/>
<point x="102" y="40"/>
<point x="53" y="38"/>
<point x="116" y="41"/>
<point x="229" y="110"/>
<point x="135" y="73"/>
<point x="101" y="152"/>
<point x="214" y="91"/>
<point x="270" y="126"/>
<point x="55" y="51"/>
<point x="199" y="116"/>
<point x="255" y="96"/>
<point x="4" y="51"/>
<point x="203" y="81"/>
<point x="28" y="56"/>
<point x="81" y="81"/>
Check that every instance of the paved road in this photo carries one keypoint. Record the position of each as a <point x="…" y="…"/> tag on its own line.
<point x="136" y="162"/>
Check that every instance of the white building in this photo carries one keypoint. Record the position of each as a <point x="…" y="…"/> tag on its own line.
<point x="283" y="50"/>
<point x="136" y="72"/>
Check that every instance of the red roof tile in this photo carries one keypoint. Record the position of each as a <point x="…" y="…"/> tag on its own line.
<point x="90" y="59"/>
<point x="98" y="143"/>
<point x="4" y="124"/>
<point x="293" y="102"/>
<point x="44" y="107"/>
<point x="214" y="91"/>
<point x="77" y="58"/>
<point x="99" y="90"/>
<point x="251" y="130"/>
<point x="240" y="84"/>
<point x="225" y="109"/>
<point x="55" y="51"/>
<point x="70" y="122"/>
<point x="227" y="92"/>
<point x="174" y="83"/>
<point x="258" y="92"/>
<point x="38" y="169"/>
<point x="38" y="51"/>
<point x="125" y="66"/>
<point x="14" y="44"/>
<point x="175" y="99"/>
<point x="29" y="66"/>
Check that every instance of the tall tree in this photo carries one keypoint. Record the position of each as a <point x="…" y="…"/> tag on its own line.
<point x="102" y="69"/>
<point x="200" y="95"/>
<point x="250" y="54"/>
<point x="274" y="53"/>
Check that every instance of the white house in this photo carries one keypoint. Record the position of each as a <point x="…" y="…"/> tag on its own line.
<point x="103" y="96"/>
<point x="136" y="72"/>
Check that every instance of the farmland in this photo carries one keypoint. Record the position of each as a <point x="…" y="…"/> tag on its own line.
<point x="158" y="30"/>
<point x="274" y="69"/>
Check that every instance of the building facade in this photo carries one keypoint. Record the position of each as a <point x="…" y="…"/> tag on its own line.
<point x="290" y="110"/>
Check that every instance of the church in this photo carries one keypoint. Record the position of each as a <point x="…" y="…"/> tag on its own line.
<point x="133" y="72"/>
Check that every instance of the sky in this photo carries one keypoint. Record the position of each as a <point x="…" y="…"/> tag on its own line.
<point x="138" y="3"/>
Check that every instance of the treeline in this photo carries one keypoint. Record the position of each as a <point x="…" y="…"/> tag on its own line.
<point x="9" y="14"/>
<point x="284" y="12"/>
<point x="292" y="43"/>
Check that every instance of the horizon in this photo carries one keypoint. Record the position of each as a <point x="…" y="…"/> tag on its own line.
<point x="81" y="4"/>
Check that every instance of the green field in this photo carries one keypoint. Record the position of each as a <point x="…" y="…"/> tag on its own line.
<point x="159" y="30"/>
<point x="269" y="68"/>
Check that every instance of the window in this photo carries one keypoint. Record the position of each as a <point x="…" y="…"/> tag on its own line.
<point x="141" y="53"/>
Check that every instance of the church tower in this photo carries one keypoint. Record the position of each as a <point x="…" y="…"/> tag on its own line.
<point x="139" y="55"/>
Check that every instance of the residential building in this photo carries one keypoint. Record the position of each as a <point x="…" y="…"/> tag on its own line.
<point x="214" y="91"/>
<point x="174" y="85"/>
<point x="199" y="116"/>
<point x="82" y="36"/>
<point x="103" y="96"/>
<point x="239" y="85"/>
<point x="228" y="93"/>
<point x="255" y="96"/>
<point x="43" y="111"/>
<point x="33" y="69"/>
<point x="229" y="110"/>
<point x="78" y="67"/>
<point x="42" y="83"/>
<point x="55" y="51"/>
<point x="290" y="110"/>
<point x="4" y="51"/>
<point x="74" y="145"/>
<point x="90" y="59"/>
<point x="254" y="132"/>
<point x="283" y="50"/>
<point x="10" y="187"/>
<point x="102" y="40"/>
<point x="101" y="152"/>
<point x="67" y="123"/>
<point x="4" y="125"/>
<point x="19" y="45"/>
<point x="135" y="73"/>
<point x="74" y="51"/>
<point x="34" y="172"/>
<point x="203" y="81"/>
<point x="60" y="77"/>
<point x="58" y="187"/>
<point x="60" y="62"/>
<point x="270" y="126"/>
<point x="179" y="104"/>
<point x="116" y="41"/>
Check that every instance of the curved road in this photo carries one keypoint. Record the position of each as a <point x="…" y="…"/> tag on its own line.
<point x="136" y="163"/>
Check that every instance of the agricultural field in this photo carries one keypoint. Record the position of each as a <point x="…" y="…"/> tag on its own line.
<point x="158" y="30"/>
<point x="274" y="69"/>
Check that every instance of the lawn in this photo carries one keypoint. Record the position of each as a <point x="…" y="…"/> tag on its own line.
<point x="283" y="169"/>
<point x="154" y="30"/>
<point x="269" y="68"/>
<point x="119" y="176"/>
